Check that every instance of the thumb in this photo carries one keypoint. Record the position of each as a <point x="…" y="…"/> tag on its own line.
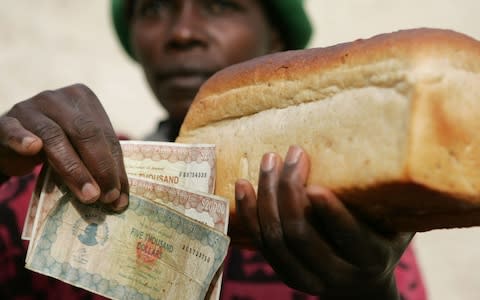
<point x="18" y="139"/>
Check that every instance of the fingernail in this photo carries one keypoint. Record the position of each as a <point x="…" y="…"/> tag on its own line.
<point x="293" y="155"/>
<point x="268" y="162"/>
<point x="111" y="196"/>
<point x="90" y="192"/>
<point x="239" y="194"/>
<point x="121" y="203"/>
<point x="27" y="141"/>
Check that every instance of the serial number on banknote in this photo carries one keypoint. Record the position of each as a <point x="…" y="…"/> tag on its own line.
<point x="193" y="174"/>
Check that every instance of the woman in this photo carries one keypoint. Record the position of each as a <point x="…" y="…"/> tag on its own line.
<point x="179" y="44"/>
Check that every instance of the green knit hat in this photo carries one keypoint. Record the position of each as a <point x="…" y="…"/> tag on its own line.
<point x="288" y="15"/>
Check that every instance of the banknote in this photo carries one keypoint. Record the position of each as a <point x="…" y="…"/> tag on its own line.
<point x="205" y="208"/>
<point x="209" y="209"/>
<point x="29" y="219"/>
<point x="147" y="252"/>
<point x="190" y="166"/>
<point x="33" y="206"/>
<point x="181" y="165"/>
<point x="43" y="199"/>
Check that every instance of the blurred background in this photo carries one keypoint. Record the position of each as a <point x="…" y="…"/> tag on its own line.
<point x="47" y="44"/>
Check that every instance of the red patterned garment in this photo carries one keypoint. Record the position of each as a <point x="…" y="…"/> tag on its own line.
<point x="247" y="275"/>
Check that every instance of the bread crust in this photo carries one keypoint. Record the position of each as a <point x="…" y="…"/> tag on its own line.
<point x="221" y="98"/>
<point x="391" y="124"/>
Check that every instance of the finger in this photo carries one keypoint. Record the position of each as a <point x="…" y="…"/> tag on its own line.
<point x="294" y="210"/>
<point x="64" y="160"/>
<point x="56" y="146"/>
<point x="246" y="203"/>
<point x="354" y="241"/>
<point x="273" y="244"/>
<point x="89" y="142"/>
<point x="14" y="136"/>
<point x="75" y="115"/>
<point x="122" y="202"/>
<point x="267" y="211"/>
<point x="116" y="175"/>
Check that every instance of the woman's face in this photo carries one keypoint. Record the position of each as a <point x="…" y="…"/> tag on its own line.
<point x="181" y="43"/>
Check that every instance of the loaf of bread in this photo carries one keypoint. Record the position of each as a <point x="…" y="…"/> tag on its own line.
<point x="391" y="124"/>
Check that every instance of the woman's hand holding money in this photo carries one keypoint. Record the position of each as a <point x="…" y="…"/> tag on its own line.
<point x="69" y="129"/>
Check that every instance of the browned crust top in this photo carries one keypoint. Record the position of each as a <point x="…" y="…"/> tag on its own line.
<point x="295" y="65"/>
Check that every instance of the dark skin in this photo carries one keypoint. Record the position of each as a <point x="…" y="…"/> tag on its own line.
<point x="314" y="242"/>
<point x="69" y="129"/>
<point x="181" y="43"/>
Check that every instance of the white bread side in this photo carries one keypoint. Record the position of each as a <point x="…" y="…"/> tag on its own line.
<point x="391" y="123"/>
